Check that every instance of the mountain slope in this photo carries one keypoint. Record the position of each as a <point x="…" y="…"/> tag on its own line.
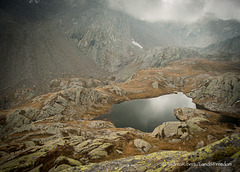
<point x="228" y="49"/>
<point x="31" y="54"/>
<point x="43" y="40"/>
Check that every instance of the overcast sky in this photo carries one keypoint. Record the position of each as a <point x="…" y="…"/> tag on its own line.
<point x="183" y="10"/>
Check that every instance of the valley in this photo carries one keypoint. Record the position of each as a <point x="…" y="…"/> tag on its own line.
<point x="66" y="64"/>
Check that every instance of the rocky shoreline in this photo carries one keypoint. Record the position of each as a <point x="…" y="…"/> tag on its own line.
<point x="55" y="132"/>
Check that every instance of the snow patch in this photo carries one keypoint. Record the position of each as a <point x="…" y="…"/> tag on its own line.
<point x="237" y="101"/>
<point x="136" y="43"/>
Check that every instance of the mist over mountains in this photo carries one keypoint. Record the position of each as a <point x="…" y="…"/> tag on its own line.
<point x="177" y="10"/>
<point x="43" y="40"/>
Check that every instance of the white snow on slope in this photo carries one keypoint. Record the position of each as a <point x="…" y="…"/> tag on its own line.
<point x="136" y="43"/>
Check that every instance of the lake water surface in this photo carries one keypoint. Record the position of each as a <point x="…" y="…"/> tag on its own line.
<point x="147" y="114"/>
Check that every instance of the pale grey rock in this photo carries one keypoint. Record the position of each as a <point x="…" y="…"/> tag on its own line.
<point x="68" y="94"/>
<point x="101" y="151"/>
<point x="119" y="152"/>
<point x="119" y="91"/>
<point x="184" y="136"/>
<point x="193" y="124"/>
<point x="55" y="109"/>
<point x="158" y="131"/>
<point x="60" y="100"/>
<point x="69" y="161"/>
<point x="80" y="146"/>
<point x="159" y="56"/>
<point x="169" y="129"/>
<point x="185" y="113"/>
<point x="223" y="90"/>
<point x="174" y="140"/>
<point x="74" y="85"/>
<point x="100" y="124"/>
<point x="116" y="135"/>
<point x="29" y="144"/>
<point x="20" y="117"/>
<point x="142" y="145"/>
<point x="50" y="99"/>
<point x="78" y="91"/>
<point x="155" y="84"/>
<point x="76" y="140"/>
<point x="210" y="137"/>
<point x="200" y="144"/>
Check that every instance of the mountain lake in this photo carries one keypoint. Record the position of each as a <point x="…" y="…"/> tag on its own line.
<point x="147" y="114"/>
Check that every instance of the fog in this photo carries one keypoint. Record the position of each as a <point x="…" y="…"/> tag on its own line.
<point x="177" y="10"/>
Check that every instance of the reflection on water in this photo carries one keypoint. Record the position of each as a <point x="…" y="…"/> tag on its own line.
<point x="147" y="114"/>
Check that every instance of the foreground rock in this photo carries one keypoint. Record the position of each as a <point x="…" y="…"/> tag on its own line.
<point x="142" y="145"/>
<point x="194" y="124"/>
<point x="56" y="131"/>
<point x="55" y="143"/>
<point x="225" y="152"/>
<point x="169" y="129"/>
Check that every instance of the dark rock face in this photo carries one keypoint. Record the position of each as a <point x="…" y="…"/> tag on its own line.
<point x="158" y="57"/>
<point x="224" y="49"/>
<point x="44" y="40"/>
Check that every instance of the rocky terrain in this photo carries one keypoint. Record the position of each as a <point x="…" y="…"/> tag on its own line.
<point x="44" y="40"/>
<point x="65" y="63"/>
<point x="224" y="49"/>
<point x="56" y="132"/>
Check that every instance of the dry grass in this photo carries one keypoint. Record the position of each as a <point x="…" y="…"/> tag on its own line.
<point x="51" y="156"/>
<point x="141" y="87"/>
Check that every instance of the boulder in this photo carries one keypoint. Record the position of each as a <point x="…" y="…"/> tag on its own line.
<point x="67" y="160"/>
<point x="193" y="124"/>
<point x="184" y="136"/>
<point x="101" y="124"/>
<point x="169" y="129"/>
<point x="200" y="144"/>
<point x="119" y="152"/>
<point x="210" y="137"/>
<point x="155" y="84"/>
<point x="192" y="117"/>
<point x="20" y="117"/>
<point x="80" y="146"/>
<point x="101" y="151"/>
<point x="185" y="113"/>
<point x="174" y="141"/>
<point x="29" y="144"/>
<point x="142" y="145"/>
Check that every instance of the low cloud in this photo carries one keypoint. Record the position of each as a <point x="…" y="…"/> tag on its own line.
<point x="177" y="10"/>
